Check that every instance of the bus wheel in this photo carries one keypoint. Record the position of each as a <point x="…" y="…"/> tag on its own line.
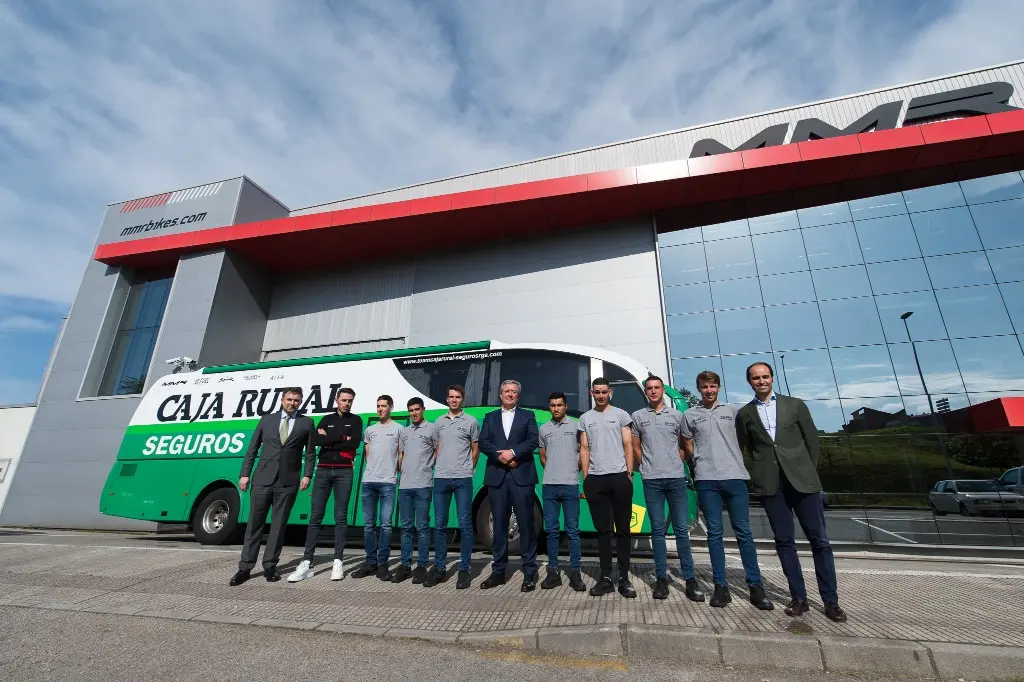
<point x="215" y="519"/>
<point x="485" y="526"/>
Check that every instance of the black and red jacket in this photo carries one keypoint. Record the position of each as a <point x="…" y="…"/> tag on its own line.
<point x="338" y="447"/>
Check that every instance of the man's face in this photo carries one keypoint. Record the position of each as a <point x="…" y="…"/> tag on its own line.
<point x="655" y="391"/>
<point x="344" y="403"/>
<point x="383" y="410"/>
<point x="760" y="379"/>
<point x="509" y="396"/>
<point x="290" y="402"/>
<point x="602" y="394"/>
<point x="416" y="413"/>
<point x="454" y="400"/>
<point x="708" y="391"/>
<point x="557" y="408"/>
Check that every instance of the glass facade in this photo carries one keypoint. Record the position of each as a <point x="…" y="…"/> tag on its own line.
<point x="820" y="292"/>
<point x="126" y="369"/>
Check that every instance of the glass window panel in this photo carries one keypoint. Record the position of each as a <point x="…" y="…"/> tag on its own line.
<point x="832" y="246"/>
<point x="690" y="235"/>
<point x="959" y="270"/>
<point x="736" y="293"/>
<point x="897" y="276"/>
<point x="878" y="206"/>
<point x="851" y="322"/>
<point x="917" y="405"/>
<point x="742" y="331"/>
<point x="828" y="417"/>
<point x="993" y="188"/>
<point x="864" y="372"/>
<point x="1007" y="264"/>
<point x="825" y="215"/>
<point x="734" y="228"/>
<point x="976" y="398"/>
<point x="692" y="334"/>
<point x="684" y="373"/>
<point x="990" y="364"/>
<point x="885" y="239"/>
<point x="845" y="282"/>
<point x="795" y="326"/>
<point x="950" y="230"/>
<point x="931" y="198"/>
<point x="154" y="300"/>
<point x="941" y="375"/>
<point x="683" y="264"/>
<point x="790" y="288"/>
<point x="974" y="311"/>
<point x="925" y="323"/>
<point x="780" y="252"/>
<point x="734" y="376"/>
<point x="1000" y="224"/>
<point x="1013" y="297"/>
<point x="687" y="298"/>
<point x="730" y="258"/>
<point x="806" y="374"/>
<point x="776" y="222"/>
<point x="873" y="414"/>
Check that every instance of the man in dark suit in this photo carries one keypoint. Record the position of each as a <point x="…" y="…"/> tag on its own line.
<point x="780" y="435"/>
<point x="283" y="439"/>
<point x="508" y="439"/>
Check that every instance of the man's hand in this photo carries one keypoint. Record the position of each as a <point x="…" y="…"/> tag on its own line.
<point x="321" y="432"/>
<point x="506" y="456"/>
<point x="513" y="464"/>
<point x="304" y="483"/>
<point x="243" y="483"/>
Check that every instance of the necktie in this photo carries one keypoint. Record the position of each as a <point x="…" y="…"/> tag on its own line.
<point x="284" y="430"/>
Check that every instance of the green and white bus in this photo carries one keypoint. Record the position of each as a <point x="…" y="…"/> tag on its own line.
<point x="180" y="457"/>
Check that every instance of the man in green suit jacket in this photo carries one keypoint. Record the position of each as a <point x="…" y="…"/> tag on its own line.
<point x="780" y="436"/>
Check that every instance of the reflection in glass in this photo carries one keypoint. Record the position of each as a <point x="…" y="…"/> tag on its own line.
<point x="687" y="298"/>
<point x="935" y="197"/>
<point x="973" y="311"/>
<point x="959" y="270"/>
<point x="917" y="405"/>
<point x="797" y="325"/>
<point x="873" y="414"/>
<point x="824" y="215"/>
<point x="878" y="206"/>
<point x="851" y="322"/>
<point x="683" y="264"/>
<point x="828" y="417"/>
<point x="894" y="277"/>
<point x="890" y="238"/>
<point x="690" y="235"/>
<point x="926" y="322"/>
<point x="780" y="252"/>
<point x="845" y="282"/>
<point x="730" y="258"/>
<point x="806" y="374"/>
<point x="734" y="228"/>
<point x="734" y="375"/>
<point x="941" y="374"/>
<point x="990" y="364"/>
<point x="1013" y="297"/>
<point x="777" y="222"/>
<point x="976" y="398"/>
<point x="742" y="331"/>
<point x="1007" y="264"/>
<point x="864" y="371"/>
<point x="789" y="288"/>
<point x="736" y="293"/>
<point x="950" y="230"/>
<point x="692" y="334"/>
<point x="832" y="246"/>
<point x="999" y="224"/>
<point x="993" y="188"/>
<point x="684" y="372"/>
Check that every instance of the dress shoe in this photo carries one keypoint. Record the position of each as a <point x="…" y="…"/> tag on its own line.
<point x="834" y="613"/>
<point x="720" y="598"/>
<point x="602" y="587"/>
<point x="759" y="598"/>
<point x="419" y="574"/>
<point x="660" y="588"/>
<point x="401" y="574"/>
<point x="271" y="574"/>
<point x="365" y="570"/>
<point x="383" y="574"/>
<point x="693" y="591"/>
<point x="626" y="588"/>
<point x="239" y="578"/>
<point x="551" y="580"/>
<point x="797" y="608"/>
<point x="465" y="579"/>
<point x="493" y="580"/>
<point x="529" y="584"/>
<point x="576" y="582"/>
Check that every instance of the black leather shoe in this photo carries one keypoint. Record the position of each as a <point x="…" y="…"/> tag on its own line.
<point x="834" y="613"/>
<point x="604" y="586"/>
<point x="464" y="581"/>
<point x="419" y="574"/>
<point x="693" y="591"/>
<point x="493" y="580"/>
<point x="660" y="589"/>
<point x="271" y="574"/>
<point x="383" y="574"/>
<point x="797" y="608"/>
<point x="576" y="582"/>
<point x="759" y="598"/>
<point x="365" y="570"/>
<point x="401" y="574"/>
<point x="529" y="584"/>
<point x="239" y="578"/>
<point x="626" y="588"/>
<point x="551" y="580"/>
<point x="720" y="598"/>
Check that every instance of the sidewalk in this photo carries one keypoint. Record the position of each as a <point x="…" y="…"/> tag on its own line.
<point x="904" y="621"/>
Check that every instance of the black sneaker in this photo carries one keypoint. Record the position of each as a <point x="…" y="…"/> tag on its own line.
<point x="660" y="589"/>
<point x="431" y="578"/>
<point x="401" y="574"/>
<point x="602" y="587"/>
<point x="383" y="574"/>
<point x="464" y="581"/>
<point x="551" y="580"/>
<point x="626" y="588"/>
<point x="693" y="591"/>
<point x="721" y="596"/>
<point x="576" y="582"/>
<point x="365" y="570"/>
<point x="419" y="574"/>
<point x="759" y="598"/>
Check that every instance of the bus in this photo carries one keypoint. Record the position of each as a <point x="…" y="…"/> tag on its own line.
<point x="181" y="454"/>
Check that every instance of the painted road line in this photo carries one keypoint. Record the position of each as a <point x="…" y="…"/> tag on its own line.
<point x="888" y="532"/>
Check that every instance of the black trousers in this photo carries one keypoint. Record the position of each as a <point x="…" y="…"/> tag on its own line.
<point x="610" y="498"/>
<point x="506" y="498"/>
<point x="263" y="498"/>
<point x="328" y="480"/>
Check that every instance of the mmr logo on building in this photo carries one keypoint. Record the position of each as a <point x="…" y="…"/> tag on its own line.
<point x="163" y="224"/>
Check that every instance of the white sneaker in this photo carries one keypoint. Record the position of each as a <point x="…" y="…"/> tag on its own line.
<point x="338" y="572"/>
<point x="305" y="570"/>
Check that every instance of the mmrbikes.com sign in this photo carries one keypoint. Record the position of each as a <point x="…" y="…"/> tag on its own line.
<point x="163" y="224"/>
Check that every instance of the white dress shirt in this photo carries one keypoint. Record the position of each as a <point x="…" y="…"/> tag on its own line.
<point x="507" y="417"/>
<point x="767" y="411"/>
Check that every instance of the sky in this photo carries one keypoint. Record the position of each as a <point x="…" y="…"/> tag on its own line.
<point x="317" y="101"/>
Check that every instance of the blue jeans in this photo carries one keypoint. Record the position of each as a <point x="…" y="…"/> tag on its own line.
<point x="444" y="488"/>
<point x="374" y="493"/>
<point x="562" y="499"/>
<point x="658" y="491"/>
<point x="414" y="510"/>
<point x="733" y="494"/>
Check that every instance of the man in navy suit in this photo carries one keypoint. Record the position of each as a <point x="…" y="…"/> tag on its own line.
<point x="508" y="439"/>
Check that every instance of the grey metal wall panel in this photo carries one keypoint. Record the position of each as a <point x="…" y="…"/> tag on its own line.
<point x="255" y="203"/>
<point x="238" y="318"/>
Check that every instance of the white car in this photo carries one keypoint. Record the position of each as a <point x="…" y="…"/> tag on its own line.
<point x="975" y="497"/>
<point x="1013" y="479"/>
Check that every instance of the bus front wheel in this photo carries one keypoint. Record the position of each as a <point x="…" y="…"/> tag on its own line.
<point x="215" y="519"/>
<point x="485" y="526"/>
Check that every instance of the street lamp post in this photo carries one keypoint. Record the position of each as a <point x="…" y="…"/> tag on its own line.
<point x="782" y="359"/>
<point x="931" y="408"/>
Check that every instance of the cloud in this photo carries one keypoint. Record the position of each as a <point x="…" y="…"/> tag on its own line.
<point x="24" y="323"/>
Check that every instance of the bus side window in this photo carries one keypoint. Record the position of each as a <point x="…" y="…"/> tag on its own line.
<point x="542" y="372"/>
<point x="626" y="392"/>
<point x="432" y="376"/>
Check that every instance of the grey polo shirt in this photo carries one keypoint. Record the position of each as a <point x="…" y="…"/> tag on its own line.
<point x="381" y="452"/>
<point x="562" y="451"/>
<point x="456" y="436"/>
<point x="716" y="449"/>
<point x="604" y="437"/>
<point x="417" y="443"/>
<point x="659" y="440"/>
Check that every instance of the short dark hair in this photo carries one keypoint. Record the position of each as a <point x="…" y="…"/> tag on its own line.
<point x="710" y="377"/>
<point x="557" y="395"/>
<point x="415" y="401"/>
<point x="458" y="389"/>
<point x="600" y="381"/>
<point x="297" y="390"/>
<point x="347" y="391"/>
<point x="652" y="377"/>
<point x="771" y="372"/>
<point x="390" y="401"/>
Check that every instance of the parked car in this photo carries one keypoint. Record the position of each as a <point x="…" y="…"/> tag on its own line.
<point x="973" y="498"/>
<point x="1013" y="479"/>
